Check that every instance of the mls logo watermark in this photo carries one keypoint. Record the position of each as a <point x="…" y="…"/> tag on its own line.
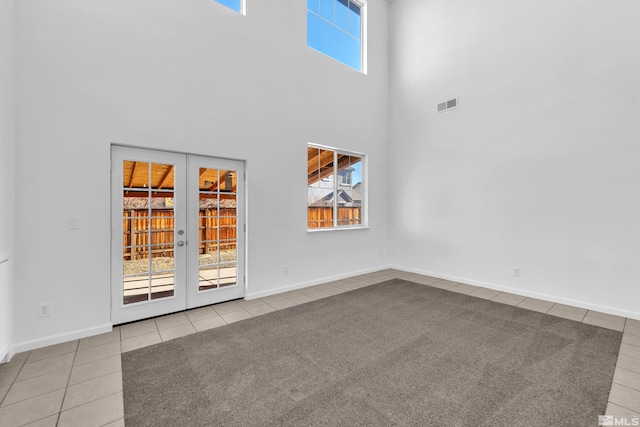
<point x="612" y="420"/>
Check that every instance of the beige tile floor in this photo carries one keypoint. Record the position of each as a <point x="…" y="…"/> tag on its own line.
<point x="79" y="383"/>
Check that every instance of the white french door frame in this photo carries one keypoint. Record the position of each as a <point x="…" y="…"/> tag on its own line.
<point x="196" y="297"/>
<point x="186" y="213"/>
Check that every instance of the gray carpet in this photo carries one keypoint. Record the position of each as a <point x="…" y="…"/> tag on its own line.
<point x="395" y="353"/>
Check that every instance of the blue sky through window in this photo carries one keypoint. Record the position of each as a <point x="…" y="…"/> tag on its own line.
<point x="334" y="27"/>
<point x="356" y="175"/>
<point x="232" y="4"/>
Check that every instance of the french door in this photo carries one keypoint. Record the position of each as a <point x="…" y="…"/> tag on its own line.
<point x="177" y="232"/>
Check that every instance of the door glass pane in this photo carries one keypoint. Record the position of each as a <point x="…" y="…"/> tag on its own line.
<point x="209" y="203"/>
<point x="162" y="176"/>
<point x="228" y="201"/>
<point x="208" y="252"/>
<point x="162" y="259"/>
<point x="127" y="230"/>
<point x="208" y="179"/>
<point x="148" y="231"/>
<point x="162" y="285"/>
<point x="161" y="200"/>
<point x="208" y="231"/>
<point x="136" y="261"/>
<point x="228" y="251"/>
<point x="136" y="288"/>
<point x="208" y="277"/>
<point x="227" y="227"/>
<point x="161" y="222"/>
<point x="228" y="181"/>
<point x="135" y="174"/>
<point x="217" y="228"/>
<point x="228" y="274"/>
<point x="135" y="199"/>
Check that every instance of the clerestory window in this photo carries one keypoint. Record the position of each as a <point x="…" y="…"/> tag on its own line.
<point x="336" y="28"/>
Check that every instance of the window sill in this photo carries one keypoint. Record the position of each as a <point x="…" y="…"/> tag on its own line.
<point x="320" y="230"/>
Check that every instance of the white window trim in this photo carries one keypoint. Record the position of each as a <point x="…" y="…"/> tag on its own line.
<point x="363" y="36"/>
<point x="365" y="194"/>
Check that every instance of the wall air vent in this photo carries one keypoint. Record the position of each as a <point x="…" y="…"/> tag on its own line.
<point x="448" y="105"/>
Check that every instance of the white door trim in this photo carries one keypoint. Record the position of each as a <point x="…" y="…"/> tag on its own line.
<point x="186" y="202"/>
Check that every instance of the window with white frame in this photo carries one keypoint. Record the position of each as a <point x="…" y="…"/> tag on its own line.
<point x="336" y="28"/>
<point x="237" y="5"/>
<point x="335" y="188"/>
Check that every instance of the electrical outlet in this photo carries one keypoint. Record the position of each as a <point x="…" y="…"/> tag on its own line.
<point x="44" y="310"/>
<point x="516" y="271"/>
<point x="73" y="223"/>
<point x="285" y="270"/>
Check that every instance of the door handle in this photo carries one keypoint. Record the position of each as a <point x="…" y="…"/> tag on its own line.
<point x="180" y="243"/>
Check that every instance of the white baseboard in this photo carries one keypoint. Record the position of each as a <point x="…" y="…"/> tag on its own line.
<point x="8" y="351"/>
<point x="273" y="291"/>
<point x="60" y="338"/>
<point x="84" y="333"/>
<point x="5" y="354"/>
<point x="525" y="293"/>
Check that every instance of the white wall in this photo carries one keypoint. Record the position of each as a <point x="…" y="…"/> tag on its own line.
<point x="538" y="168"/>
<point x="7" y="146"/>
<point x="189" y="76"/>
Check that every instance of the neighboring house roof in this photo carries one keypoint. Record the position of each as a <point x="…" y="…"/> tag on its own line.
<point x="345" y="197"/>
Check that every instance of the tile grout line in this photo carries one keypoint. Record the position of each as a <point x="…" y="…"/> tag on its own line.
<point x="32" y="397"/>
<point x="633" y="357"/>
<point x="91" y="401"/>
<point x="634" y="389"/>
<point x="67" y="385"/>
<point x="104" y="343"/>
<point x="568" y="312"/>
<point x="111" y="422"/>
<point x="620" y="404"/>
<point x="68" y="379"/>
<point x="14" y="379"/>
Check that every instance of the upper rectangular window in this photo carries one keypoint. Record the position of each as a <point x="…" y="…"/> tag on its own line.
<point x="237" y="5"/>
<point x="335" y="188"/>
<point x="336" y="28"/>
